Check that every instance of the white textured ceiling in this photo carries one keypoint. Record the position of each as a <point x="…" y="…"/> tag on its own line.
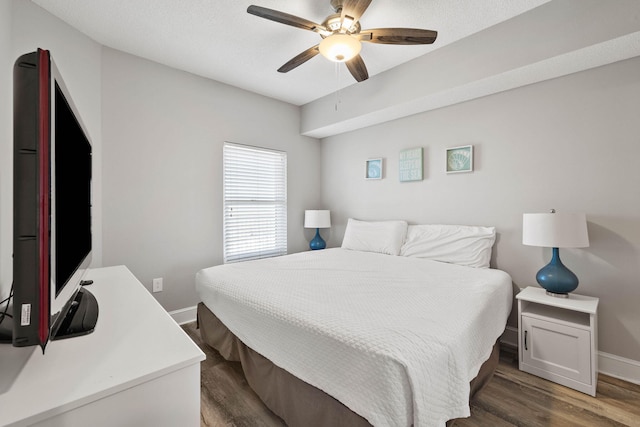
<point x="219" y="40"/>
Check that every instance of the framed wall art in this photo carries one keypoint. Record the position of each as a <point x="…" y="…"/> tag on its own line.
<point x="410" y="164"/>
<point x="373" y="169"/>
<point x="460" y="159"/>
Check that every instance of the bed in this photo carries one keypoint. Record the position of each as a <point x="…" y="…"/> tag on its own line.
<point x="355" y="336"/>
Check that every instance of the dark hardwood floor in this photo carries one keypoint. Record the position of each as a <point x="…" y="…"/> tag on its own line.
<point x="225" y="397"/>
<point x="512" y="398"/>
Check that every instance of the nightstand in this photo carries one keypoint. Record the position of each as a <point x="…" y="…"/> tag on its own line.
<point x="558" y="338"/>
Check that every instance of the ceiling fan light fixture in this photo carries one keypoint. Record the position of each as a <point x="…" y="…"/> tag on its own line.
<point x="342" y="34"/>
<point x="340" y="47"/>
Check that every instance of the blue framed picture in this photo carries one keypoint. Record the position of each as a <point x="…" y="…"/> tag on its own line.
<point x="374" y="169"/>
<point x="460" y="159"/>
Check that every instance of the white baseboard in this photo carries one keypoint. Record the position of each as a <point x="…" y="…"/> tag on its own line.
<point x="608" y="364"/>
<point x="619" y="367"/>
<point x="184" y="315"/>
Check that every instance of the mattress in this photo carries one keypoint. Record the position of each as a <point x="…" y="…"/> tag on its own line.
<point x="395" y="339"/>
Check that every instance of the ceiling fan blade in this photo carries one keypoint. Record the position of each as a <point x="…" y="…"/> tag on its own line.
<point x="284" y="18"/>
<point x="299" y="59"/>
<point x="352" y="10"/>
<point x="357" y="68"/>
<point x="398" y="36"/>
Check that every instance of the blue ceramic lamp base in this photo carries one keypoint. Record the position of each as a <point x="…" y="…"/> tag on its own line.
<point x="317" y="242"/>
<point x="556" y="278"/>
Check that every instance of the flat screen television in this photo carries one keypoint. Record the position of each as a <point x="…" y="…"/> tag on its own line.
<point x="52" y="208"/>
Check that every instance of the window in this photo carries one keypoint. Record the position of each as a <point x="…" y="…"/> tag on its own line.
<point x="255" y="202"/>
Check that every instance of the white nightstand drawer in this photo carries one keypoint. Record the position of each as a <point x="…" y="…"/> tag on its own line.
<point x="557" y="349"/>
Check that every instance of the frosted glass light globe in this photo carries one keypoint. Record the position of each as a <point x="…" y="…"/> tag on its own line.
<point x="340" y="47"/>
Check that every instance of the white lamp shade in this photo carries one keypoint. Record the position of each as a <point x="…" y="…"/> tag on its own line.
<point x="339" y="47"/>
<point x="555" y="230"/>
<point x="317" y="219"/>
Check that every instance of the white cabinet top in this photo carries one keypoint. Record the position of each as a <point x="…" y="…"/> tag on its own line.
<point x="574" y="302"/>
<point x="135" y="341"/>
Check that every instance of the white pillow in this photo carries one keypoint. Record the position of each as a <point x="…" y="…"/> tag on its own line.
<point x="385" y="237"/>
<point x="456" y="244"/>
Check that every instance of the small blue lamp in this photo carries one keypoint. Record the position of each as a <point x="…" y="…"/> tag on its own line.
<point x="317" y="219"/>
<point x="556" y="230"/>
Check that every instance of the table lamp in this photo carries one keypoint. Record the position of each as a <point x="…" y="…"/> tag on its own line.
<point x="317" y="219"/>
<point x="556" y="230"/>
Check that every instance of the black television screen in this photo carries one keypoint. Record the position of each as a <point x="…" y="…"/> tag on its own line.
<point x="72" y="185"/>
<point x="52" y="207"/>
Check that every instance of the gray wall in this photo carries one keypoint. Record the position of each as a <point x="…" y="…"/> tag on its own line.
<point x="78" y="59"/>
<point x="570" y="143"/>
<point x="163" y="135"/>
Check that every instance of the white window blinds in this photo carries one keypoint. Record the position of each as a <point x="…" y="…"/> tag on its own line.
<point x="255" y="202"/>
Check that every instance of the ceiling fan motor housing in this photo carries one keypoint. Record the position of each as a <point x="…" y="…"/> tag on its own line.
<point x="333" y="23"/>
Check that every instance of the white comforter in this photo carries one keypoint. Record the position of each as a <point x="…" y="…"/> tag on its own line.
<point x="395" y="339"/>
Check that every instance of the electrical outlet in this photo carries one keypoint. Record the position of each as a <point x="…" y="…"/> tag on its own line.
<point x="157" y="284"/>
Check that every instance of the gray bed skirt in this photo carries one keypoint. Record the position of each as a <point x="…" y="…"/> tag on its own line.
<point x="293" y="400"/>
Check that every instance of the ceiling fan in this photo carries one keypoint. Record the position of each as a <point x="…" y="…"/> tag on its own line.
<point x="341" y="35"/>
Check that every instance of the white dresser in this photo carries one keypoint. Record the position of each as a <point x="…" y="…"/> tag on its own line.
<point x="138" y="368"/>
